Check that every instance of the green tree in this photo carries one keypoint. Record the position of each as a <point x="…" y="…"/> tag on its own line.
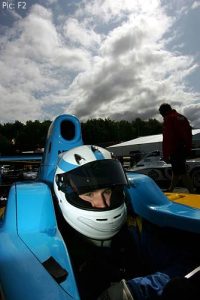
<point x="103" y="132"/>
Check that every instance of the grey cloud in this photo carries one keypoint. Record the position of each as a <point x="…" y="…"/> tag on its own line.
<point x="192" y="111"/>
<point x="116" y="63"/>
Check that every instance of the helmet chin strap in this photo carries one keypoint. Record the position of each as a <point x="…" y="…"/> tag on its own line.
<point x="100" y="243"/>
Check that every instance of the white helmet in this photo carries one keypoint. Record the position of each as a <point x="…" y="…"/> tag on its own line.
<point x="83" y="169"/>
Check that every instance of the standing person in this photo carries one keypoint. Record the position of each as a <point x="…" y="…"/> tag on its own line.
<point x="177" y="144"/>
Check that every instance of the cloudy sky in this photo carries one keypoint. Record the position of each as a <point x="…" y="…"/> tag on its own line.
<point x="117" y="59"/>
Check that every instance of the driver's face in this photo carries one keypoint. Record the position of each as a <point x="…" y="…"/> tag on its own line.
<point x="98" y="198"/>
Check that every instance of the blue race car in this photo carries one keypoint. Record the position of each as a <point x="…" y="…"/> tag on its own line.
<point x="34" y="259"/>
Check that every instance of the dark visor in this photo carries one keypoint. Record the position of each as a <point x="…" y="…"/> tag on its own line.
<point x="94" y="175"/>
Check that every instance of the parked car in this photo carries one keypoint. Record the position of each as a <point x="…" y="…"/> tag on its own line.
<point x="155" y="167"/>
<point x="30" y="175"/>
<point x="9" y="175"/>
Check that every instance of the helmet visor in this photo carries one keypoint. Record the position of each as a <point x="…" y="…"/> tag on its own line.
<point x="117" y="198"/>
<point x="94" y="175"/>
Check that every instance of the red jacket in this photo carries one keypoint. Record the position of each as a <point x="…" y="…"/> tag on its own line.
<point x="177" y="134"/>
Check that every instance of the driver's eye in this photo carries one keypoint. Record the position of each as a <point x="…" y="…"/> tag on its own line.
<point x="108" y="191"/>
<point x="89" y="194"/>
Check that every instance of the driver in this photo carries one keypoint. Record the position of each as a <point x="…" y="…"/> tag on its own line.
<point x="89" y="187"/>
<point x="100" y="198"/>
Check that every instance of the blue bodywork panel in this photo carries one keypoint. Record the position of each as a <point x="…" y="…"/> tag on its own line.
<point x="18" y="158"/>
<point x="64" y="134"/>
<point x="149" y="202"/>
<point x="29" y="236"/>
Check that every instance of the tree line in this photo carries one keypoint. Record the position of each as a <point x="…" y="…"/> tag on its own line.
<point x="18" y="137"/>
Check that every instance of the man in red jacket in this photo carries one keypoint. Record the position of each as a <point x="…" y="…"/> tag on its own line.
<point x="177" y="144"/>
